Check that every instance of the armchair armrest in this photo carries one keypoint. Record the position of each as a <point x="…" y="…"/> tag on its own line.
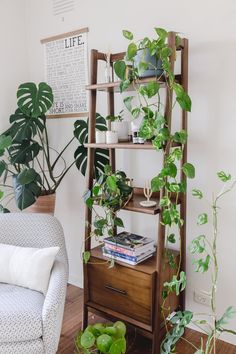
<point x="53" y="307"/>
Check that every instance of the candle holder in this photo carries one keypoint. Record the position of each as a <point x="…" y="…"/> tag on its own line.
<point x="147" y="193"/>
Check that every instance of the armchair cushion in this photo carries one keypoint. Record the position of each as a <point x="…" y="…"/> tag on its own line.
<point x="20" y="314"/>
<point x="27" y="266"/>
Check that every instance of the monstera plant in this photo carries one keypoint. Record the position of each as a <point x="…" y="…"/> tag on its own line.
<point x="28" y="159"/>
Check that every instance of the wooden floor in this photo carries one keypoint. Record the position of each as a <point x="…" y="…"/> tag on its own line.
<point x="136" y="344"/>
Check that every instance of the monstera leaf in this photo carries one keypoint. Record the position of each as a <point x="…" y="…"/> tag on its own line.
<point x="26" y="187"/>
<point x="101" y="156"/>
<point x="24" y="127"/>
<point x="34" y="101"/>
<point x="24" y="152"/>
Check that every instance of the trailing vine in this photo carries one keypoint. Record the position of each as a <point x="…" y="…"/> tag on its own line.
<point x="156" y="127"/>
<point x="204" y="249"/>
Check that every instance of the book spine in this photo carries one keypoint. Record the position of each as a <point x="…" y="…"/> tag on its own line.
<point x="120" y="250"/>
<point x="119" y="259"/>
<point x="121" y="255"/>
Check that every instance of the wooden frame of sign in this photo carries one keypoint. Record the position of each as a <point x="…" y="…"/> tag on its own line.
<point x="66" y="69"/>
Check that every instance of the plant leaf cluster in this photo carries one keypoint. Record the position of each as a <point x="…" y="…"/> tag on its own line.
<point x="26" y="150"/>
<point x="102" y="338"/>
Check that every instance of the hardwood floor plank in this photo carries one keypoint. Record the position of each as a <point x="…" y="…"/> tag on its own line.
<point x="136" y="344"/>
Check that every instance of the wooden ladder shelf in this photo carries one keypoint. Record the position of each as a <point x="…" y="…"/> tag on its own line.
<point x="125" y="292"/>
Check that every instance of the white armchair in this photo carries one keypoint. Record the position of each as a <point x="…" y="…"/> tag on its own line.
<point x="30" y="323"/>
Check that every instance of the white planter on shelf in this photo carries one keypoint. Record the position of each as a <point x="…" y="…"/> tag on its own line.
<point x="100" y="137"/>
<point x="111" y="137"/>
<point x="122" y="128"/>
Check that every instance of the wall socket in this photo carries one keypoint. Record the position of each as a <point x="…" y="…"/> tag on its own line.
<point x="202" y="297"/>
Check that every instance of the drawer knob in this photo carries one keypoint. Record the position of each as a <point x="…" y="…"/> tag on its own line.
<point x="119" y="291"/>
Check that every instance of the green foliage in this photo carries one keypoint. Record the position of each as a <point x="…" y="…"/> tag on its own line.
<point x="189" y="170"/>
<point x="102" y="338"/>
<point x="26" y="151"/>
<point x="26" y="188"/>
<point x="128" y="35"/>
<point x="176" y="285"/>
<point x="197" y="193"/>
<point x="223" y="176"/>
<point x="120" y="69"/>
<point x="111" y="192"/>
<point x="229" y="314"/>
<point x="202" y="219"/>
<point x="34" y="101"/>
<point x="179" y="322"/>
<point x="101" y="156"/>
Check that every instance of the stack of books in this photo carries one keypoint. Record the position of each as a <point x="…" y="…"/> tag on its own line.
<point x="129" y="248"/>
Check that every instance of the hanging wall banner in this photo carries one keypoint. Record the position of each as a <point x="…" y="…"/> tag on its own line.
<point x="66" y="67"/>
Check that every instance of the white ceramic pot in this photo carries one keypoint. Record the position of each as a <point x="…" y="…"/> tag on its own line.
<point x="122" y="128"/>
<point x="111" y="137"/>
<point x="100" y="137"/>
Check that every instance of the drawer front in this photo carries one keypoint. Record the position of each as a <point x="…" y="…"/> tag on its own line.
<point x="122" y="289"/>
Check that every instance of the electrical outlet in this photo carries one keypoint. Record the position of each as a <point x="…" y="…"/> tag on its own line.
<point x="202" y="297"/>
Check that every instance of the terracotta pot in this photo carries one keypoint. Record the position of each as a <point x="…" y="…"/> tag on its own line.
<point x="44" y="204"/>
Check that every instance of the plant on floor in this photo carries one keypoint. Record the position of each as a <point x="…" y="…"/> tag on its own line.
<point x="205" y="251"/>
<point x="28" y="158"/>
<point x="156" y="125"/>
<point x="111" y="192"/>
<point x="102" y="338"/>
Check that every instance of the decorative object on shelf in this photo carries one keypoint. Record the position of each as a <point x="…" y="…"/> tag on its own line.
<point x="28" y="159"/>
<point x="111" y="192"/>
<point x="108" y="75"/>
<point x="111" y="137"/>
<point x="102" y="338"/>
<point x="205" y="251"/>
<point x="100" y="137"/>
<point x="120" y="126"/>
<point x="147" y="191"/>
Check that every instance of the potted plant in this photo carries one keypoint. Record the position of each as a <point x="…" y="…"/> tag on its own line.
<point x="119" y="125"/>
<point x="28" y="158"/>
<point x="102" y="338"/>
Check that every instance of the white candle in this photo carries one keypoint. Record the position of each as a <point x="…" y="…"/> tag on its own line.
<point x="100" y="137"/>
<point x="111" y="137"/>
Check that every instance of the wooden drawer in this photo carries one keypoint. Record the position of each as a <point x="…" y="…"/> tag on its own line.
<point x="122" y="289"/>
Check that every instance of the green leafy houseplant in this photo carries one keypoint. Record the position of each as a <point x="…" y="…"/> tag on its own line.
<point x="111" y="191"/>
<point x="28" y="156"/>
<point x="102" y="338"/>
<point x="205" y="251"/>
<point x="156" y="126"/>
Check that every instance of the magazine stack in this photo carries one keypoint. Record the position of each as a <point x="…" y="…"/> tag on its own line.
<point x="129" y="248"/>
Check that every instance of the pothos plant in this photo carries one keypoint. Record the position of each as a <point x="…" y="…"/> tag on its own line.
<point x="110" y="191"/>
<point x="204" y="249"/>
<point x="102" y="338"/>
<point x="28" y="157"/>
<point x="156" y="126"/>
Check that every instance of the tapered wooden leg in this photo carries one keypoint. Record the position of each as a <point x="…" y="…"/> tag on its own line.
<point x="85" y="317"/>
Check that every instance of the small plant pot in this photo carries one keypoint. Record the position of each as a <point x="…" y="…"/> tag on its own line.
<point x="122" y="128"/>
<point x="111" y="137"/>
<point x="154" y="64"/>
<point x="100" y="137"/>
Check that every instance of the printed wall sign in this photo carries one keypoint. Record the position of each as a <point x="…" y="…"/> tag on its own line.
<point x="66" y="70"/>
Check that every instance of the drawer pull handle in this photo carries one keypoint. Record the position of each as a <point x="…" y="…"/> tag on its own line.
<point x="123" y="292"/>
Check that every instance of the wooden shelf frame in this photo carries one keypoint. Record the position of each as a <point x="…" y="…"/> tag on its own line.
<point x="126" y="145"/>
<point x="156" y="263"/>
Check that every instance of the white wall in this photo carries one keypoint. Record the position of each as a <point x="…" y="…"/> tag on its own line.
<point x="13" y="58"/>
<point x="210" y="27"/>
